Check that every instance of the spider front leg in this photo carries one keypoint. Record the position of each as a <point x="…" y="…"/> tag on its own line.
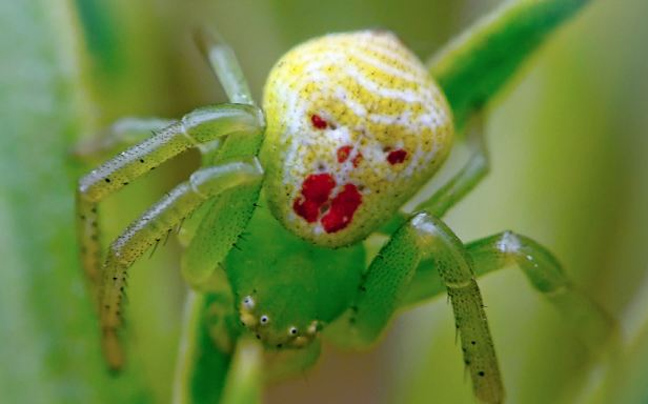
<point x="123" y="133"/>
<point x="199" y="127"/>
<point x="389" y="276"/>
<point x="154" y="225"/>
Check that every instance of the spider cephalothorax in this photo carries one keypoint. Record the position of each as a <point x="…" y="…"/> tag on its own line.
<point x="359" y="125"/>
<point x="352" y="125"/>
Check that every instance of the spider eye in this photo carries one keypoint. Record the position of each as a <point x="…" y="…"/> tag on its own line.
<point x="313" y="327"/>
<point x="264" y="319"/>
<point x="292" y="331"/>
<point x="248" y="302"/>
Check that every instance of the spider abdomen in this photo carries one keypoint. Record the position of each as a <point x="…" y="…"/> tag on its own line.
<point x="355" y="125"/>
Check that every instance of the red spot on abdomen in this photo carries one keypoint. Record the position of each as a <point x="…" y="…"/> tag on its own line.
<point x="342" y="209"/>
<point x="396" y="156"/>
<point x="315" y="200"/>
<point x="318" y="122"/>
<point x="343" y="153"/>
<point x="318" y="187"/>
<point x="357" y="160"/>
<point x="315" y="191"/>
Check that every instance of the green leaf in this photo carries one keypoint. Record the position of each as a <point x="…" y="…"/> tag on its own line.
<point x="476" y="65"/>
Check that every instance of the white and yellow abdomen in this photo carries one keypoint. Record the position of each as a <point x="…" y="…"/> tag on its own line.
<point x="355" y="126"/>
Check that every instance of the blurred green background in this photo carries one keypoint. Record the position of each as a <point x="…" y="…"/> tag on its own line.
<point x="568" y="143"/>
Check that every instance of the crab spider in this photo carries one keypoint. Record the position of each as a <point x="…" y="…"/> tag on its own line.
<point x="351" y="126"/>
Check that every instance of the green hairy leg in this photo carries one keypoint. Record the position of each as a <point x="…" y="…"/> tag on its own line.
<point x="198" y="127"/>
<point x="389" y="276"/>
<point x="225" y="65"/>
<point x="209" y="334"/>
<point x="232" y="210"/>
<point x="230" y="213"/>
<point x="124" y="133"/>
<point x="153" y="226"/>
<point x="243" y="382"/>
<point x="591" y="323"/>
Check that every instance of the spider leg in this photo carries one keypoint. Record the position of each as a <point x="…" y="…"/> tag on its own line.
<point x="131" y="130"/>
<point x="594" y="326"/>
<point x="389" y="276"/>
<point x="121" y="134"/>
<point x="466" y="179"/>
<point x="414" y="267"/>
<point x="225" y="65"/>
<point x="150" y="228"/>
<point x="243" y="383"/>
<point x="232" y="210"/>
<point x="207" y="341"/>
<point x="199" y="127"/>
<point x="591" y="323"/>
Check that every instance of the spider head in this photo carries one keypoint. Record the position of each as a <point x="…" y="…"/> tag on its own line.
<point x="285" y="290"/>
<point x="276" y="332"/>
<point x="355" y="126"/>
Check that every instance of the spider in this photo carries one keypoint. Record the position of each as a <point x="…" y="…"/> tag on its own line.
<point x="351" y="126"/>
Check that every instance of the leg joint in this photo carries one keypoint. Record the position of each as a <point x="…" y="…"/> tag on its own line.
<point x="509" y="243"/>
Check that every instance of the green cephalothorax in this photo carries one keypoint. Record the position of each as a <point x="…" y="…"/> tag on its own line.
<point x="352" y="125"/>
<point x="315" y="285"/>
